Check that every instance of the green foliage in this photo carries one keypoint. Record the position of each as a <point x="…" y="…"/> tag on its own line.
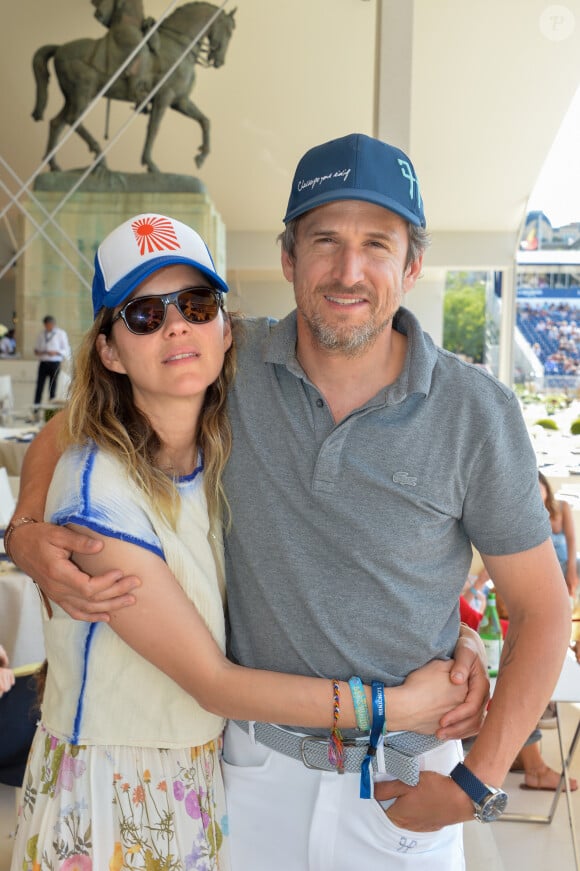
<point x="525" y="395"/>
<point x="547" y="423"/>
<point x="556" y="401"/>
<point x="575" y="426"/>
<point x="464" y="316"/>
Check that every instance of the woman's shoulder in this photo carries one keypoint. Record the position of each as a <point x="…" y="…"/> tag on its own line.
<point x="86" y="474"/>
<point x="86" y="458"/>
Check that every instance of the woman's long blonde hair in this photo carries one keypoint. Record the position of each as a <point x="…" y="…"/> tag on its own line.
<point x="101" y="409"/>
<point x="550" y="500"/>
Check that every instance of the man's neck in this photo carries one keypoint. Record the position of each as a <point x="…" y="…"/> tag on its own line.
<point x="348" y="382"/>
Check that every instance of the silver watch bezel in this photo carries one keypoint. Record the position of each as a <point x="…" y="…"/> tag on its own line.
<point x="492" y="806"/>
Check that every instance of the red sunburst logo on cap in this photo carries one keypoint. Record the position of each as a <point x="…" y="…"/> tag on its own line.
<point x="154" y="234"/>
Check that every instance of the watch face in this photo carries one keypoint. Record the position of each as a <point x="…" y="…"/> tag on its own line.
<point x="492" y="807"/>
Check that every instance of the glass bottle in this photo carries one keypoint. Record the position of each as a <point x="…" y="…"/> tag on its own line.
<point x="491" y="635"/>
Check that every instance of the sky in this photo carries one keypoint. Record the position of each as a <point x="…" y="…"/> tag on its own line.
<point x="557" y="191"/>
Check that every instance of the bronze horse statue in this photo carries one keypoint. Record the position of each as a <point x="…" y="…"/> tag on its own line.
<point x="84" y="67"/>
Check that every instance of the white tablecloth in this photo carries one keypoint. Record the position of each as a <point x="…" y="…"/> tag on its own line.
<point x="568" y="686"/>
<point x="13" y="445"/>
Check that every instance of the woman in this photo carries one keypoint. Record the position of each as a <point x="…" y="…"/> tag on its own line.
<point x="563" y="535"/>
<point x="124" y="769"/>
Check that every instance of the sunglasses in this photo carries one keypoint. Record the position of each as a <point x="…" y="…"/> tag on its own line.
<point x="146" y="314"/>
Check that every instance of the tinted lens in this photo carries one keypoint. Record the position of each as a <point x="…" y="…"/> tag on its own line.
<point x="145" y="315"/>
<point x="198" y="305"/>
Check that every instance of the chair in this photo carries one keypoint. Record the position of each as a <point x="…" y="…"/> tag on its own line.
<point x="567" y="690"/>
<point x="7" y="503"/>
<point x="6" y="400"/>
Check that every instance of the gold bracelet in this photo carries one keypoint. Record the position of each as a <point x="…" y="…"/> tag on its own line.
<point x="14" y="524"/>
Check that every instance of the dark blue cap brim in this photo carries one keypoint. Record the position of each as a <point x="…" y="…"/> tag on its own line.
<point x="353" y="194"/>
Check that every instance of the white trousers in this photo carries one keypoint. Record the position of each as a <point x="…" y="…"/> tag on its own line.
<point x="286" y="817"/>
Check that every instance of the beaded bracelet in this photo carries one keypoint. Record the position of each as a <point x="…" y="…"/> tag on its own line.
<point x="335" y="743"/>
<point x="378" y="689"/>
<point x="361" y="708"/>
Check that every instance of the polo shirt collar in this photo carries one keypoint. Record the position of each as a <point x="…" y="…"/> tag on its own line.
<point x="280" y="348"/>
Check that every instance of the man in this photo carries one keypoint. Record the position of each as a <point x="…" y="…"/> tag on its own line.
<point x="8" y="343"/>
<point x="51" y="348"/>
<point x="126" y="24"/>
<point x="365" y="460"/>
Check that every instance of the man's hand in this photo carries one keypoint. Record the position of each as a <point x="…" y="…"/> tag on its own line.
<point x="428" y="694"/>
<point x="43" y="552"/>
<point x="470" y="667"/>
<point x="435" y="802"/>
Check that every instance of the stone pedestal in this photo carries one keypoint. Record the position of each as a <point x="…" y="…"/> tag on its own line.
<point x="47" y="284"/>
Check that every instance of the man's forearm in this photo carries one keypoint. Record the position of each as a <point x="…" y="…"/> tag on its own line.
<point x="39" y="463"/>
<point x="531" y="664"/>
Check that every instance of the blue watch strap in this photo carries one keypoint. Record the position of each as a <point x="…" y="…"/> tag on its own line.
<point x="475" y="788"/>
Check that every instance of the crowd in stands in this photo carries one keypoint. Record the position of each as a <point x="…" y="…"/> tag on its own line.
<point x="553" y="331"/>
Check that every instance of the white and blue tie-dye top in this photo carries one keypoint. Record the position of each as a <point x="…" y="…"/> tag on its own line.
<point x="100" y="691"/>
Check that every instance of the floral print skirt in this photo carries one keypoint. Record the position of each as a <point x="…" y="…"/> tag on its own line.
<point x="108" y="808"/>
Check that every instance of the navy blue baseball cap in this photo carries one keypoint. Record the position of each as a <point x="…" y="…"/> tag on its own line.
<point x="356" y="167"/>
<point x="141" y="246"/>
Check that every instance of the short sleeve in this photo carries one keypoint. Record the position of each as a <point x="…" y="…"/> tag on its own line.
<point x="91" y="489"/>
<point x="503" y="509"/>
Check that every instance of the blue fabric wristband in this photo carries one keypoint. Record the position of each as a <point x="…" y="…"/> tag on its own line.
<point x="376" y="731"/>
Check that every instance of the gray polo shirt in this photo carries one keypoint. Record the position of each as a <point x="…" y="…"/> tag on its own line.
<point x="350" y="542"/>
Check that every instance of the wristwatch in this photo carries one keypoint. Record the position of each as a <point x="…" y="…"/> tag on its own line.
<point x="488" y="801"/>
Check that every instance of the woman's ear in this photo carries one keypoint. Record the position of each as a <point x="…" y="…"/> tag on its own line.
<point x="107" y="352"/>
<point x="227" y="332"/>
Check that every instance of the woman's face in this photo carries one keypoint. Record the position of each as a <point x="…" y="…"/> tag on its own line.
<point x="180" y="359"/>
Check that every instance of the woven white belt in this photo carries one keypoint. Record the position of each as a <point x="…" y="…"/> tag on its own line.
<point x="400" y="750"/>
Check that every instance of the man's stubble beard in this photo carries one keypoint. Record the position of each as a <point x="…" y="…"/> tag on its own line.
<point x="348" y="340"/>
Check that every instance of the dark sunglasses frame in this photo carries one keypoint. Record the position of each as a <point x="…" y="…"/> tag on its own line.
<point x="172" y="299"/>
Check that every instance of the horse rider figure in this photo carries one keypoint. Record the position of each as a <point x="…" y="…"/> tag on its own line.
<point x="126" y="24"/>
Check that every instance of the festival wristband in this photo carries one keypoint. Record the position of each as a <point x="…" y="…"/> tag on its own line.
<point x="361" y="708"/>
<point x="378" y="690"/>
<point x="336" y="742"/>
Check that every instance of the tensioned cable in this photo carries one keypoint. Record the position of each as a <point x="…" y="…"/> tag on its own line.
<point x="40" y="229"/>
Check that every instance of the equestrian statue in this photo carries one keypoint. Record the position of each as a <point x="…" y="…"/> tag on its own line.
<point x="85" y="66"/>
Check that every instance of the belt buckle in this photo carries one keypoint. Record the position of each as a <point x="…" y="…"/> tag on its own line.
<point x="315" y="739"/>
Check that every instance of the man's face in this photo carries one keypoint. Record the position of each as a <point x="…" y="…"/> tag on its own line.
<point x="349" y="273"/>
<point x="48" y="326"/>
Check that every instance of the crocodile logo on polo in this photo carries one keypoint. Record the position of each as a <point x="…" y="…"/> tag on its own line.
<point x="405" y="479"/>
